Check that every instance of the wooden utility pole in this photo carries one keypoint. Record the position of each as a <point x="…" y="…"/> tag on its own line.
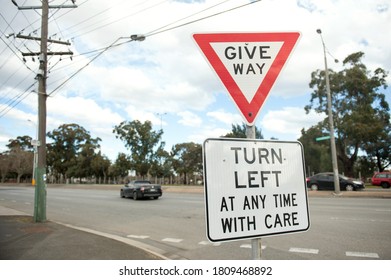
<point x="40" y="171"/>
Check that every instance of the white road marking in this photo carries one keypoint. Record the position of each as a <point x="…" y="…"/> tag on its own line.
<point x="359" y="220"/>
<point x="205" y="243"/>
<point x="382" y="210"/>
<point x="304" y="250"/>
<point x="362" y="255"/>
<point x="172" y="240"/>
<point x="138" y="236"/>
<point x="248" y="246"/>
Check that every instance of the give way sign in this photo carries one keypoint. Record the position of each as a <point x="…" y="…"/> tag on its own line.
<point x="248" y="64"/>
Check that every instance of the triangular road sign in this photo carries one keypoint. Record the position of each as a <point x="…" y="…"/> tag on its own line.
<point x="248" y="64"/>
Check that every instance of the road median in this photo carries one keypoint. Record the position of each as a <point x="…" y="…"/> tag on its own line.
<point x="369" y="192"/>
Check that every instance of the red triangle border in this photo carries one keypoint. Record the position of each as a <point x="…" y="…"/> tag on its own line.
<point x="249" y="110"/>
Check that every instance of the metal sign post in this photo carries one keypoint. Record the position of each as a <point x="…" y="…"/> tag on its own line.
<point x="256" y="244"/>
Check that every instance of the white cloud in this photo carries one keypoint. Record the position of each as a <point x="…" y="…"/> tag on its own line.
<point x="85" y="112"/>
<point x="207" y="132"/>
<point x="290" y="120"/>
<point x="189" y="119"/>
<point x="226" y="117"/>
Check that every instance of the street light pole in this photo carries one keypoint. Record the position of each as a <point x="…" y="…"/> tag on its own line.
<point x="161" y="119"/>
<point x="331" y="121"/>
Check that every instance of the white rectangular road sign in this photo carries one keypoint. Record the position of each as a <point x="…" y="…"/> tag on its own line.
<point x="254" y="188"/>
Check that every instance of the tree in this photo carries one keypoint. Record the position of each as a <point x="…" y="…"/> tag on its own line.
<point x="84" y="160"/>
<point x="360" y="111"/>
<point x="100" y="166"/>
<point x="240" y="132"/>
<point x="69" y="140"/>
<point x="21" y="162"/>
<point x="187" y="159"/>
<point x="142" y="142"/>
<point x="316" y="153"/>
<point x="379" y="151"/>
<point x="162" y="164"/>
<point x="121" y="166"/>
<point x="21" y="156"/>
<point x="22" y="142"/>
<point x="5" y="165"/>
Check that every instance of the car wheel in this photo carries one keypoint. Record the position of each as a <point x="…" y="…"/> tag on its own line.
<point x="135" y="196"/>
<point x="385" y="185"/>
<point x="314" y="187"/>
<point x="122" y="194"/>
<point x="349" y="188"/>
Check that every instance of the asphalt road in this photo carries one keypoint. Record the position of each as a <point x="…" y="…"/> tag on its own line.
<point x="174" y="225"/>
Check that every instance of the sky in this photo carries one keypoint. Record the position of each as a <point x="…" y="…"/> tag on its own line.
<point x="165" y="78"/>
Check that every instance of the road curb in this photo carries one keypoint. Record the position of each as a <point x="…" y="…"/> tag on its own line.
<point x="150" y="249"/>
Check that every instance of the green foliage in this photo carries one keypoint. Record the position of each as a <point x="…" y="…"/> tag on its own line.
<point x="19" y="160"/>
<point x="187" y="159"/>
<point x="100" y="166"/>
<point x="239" y="131"/>
<point x="21" y="142"/>
<point x="142" y="142"/>
<point x="71" y="151"/>
<point x="316" y="153"/>
<point x="162" y="164"/>
<point x="121" y="166"/>
<point x="360" y="111"/>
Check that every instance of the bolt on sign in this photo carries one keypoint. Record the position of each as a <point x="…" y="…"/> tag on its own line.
<point x="254" y="188"/>
<point x="247" y="64"/>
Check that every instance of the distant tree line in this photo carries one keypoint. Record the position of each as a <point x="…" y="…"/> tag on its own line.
<point x="73" y="155"/>
<point x="361" y="121"/>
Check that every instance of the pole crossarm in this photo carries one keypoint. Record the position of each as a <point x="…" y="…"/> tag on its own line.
<point x="20" y="36"/>
<point x="48" y="53"/>
<point x="50" y="7"/>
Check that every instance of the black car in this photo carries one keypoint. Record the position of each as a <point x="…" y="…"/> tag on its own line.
<point x="141" y="189"/>
<point x="325" y="181"/>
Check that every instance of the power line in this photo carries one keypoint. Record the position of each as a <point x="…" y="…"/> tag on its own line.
<point x="162" y="29"/>
<point x="200" y="19"/>
<point x="5" y="97"/>
<point x="155" y="32"/>
<point x="19" y="98"/>
<point x="59" y="30"/>
<point x="116" y="20"/>
<point x="211" y="7"/>
<point x="89" y="62"/>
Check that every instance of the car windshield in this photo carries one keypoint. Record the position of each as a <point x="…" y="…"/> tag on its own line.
<point x="142" y="182"/>
<point x="344" y="177"/>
